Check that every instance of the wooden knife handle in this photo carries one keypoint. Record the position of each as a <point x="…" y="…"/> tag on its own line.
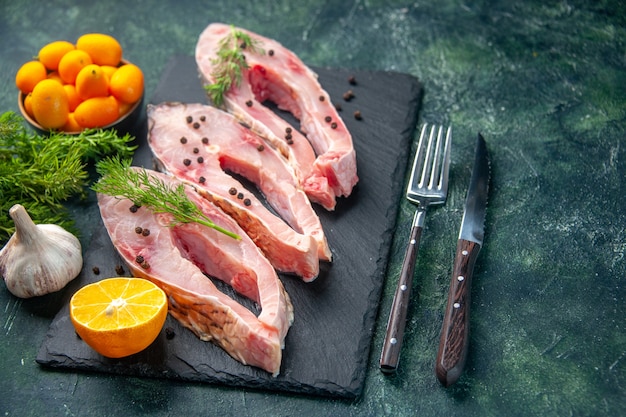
<point x="390" y="355"/>
<point x="454" y="341"/>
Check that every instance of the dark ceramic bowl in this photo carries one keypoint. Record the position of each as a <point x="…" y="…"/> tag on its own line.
<point x="123" y="125"/>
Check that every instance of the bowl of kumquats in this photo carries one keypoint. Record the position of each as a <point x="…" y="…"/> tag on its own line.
<point x="70" y="87"/>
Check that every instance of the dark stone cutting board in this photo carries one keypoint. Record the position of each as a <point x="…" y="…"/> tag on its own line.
<point x="327" y="348"/>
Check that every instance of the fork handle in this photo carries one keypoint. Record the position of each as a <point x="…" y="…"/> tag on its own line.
<point x="390" y="355"/>
<point x="454" y="340"/>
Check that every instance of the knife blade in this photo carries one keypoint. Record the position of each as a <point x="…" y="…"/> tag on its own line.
<point x="454" y="339"/>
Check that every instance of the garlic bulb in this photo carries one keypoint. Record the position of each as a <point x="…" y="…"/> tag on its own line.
<point x="38" y="259"/>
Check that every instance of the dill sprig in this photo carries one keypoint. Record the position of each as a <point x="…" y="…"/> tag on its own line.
<point x="118" y="179"/>
<point x="43" y="172"/>
<point x="230" y="63"/>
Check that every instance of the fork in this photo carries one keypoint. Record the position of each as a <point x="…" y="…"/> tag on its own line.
<point x="428" y="185"/>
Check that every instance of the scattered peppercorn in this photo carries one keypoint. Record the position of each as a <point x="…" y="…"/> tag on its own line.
<point x="138" y="230"/>
<point x="119" y="269"/>
<point x="352" y="80"/>
<point x="232" y="191"/>
<point x="169" y="333"/>
<point x="247" y="202"/>
<point x="333" y="125"/>
<point x="348" y="95"/>
<point x="145" y="265"/>
<point x="189" y="119"/>
<point x="202" y="180"/>
<point x="322" y="98"/>
<point x="187" y="162"/>
<point x="139" y="259"/>
<point x="196" y="125"/>
<point x="288" y="136"/>
<point x="357" y="115"/>
<point x="145" y="232"/>
<point x="288" y="130"/>
<point x="196" y="150"/>
<point x="202" y="118"/>
<point x="239" y="196"/>
<point x="134" y="208"/>
<point x="328" y="119"/>
<point x="290" y="141"/>
<point x="200" y="159"/>
<point x="338" y="107"/>
<point x="249" y="103"/>
<point x="183" y="140"/>
<point x="205" y="140"/>
<point x="270" y="52"/>
<point x="260" y="148"/>
<point x="96" y="270"/>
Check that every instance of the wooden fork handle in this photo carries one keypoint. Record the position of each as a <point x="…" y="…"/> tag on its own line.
<point x="454" y="341"/>
<point x="390" y="355"/>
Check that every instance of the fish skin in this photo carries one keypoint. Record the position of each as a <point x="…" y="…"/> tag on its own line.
<point x="177" y="259"/>
<point x="293" y="242"/>
<point x="327" y="167"/>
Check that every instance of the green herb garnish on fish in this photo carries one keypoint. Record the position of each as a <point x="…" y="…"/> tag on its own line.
<point x="118" y="179"/>
<point x="230" y="63"/>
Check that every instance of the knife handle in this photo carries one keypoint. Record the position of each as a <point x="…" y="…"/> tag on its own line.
<point x="390" y="355"/>
<point x="454" y="341"/>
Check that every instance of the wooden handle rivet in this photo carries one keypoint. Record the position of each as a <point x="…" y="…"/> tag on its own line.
<point x="457" y="305"/>
<point x="393" y="341"/>
<point x="465" y="253"/>
<point x="460" y="278"/>
<point x="403" y="287"/>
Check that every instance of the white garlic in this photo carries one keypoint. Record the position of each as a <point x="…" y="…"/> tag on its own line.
<point x="38" y="259"/>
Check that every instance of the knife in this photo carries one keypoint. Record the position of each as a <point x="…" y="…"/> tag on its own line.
<point x="454" y="340"/>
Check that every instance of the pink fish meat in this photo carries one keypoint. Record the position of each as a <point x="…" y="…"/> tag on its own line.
<point x="177" y="258"/>
<point x="199" y="143"/>
<point x="326" y="171"/>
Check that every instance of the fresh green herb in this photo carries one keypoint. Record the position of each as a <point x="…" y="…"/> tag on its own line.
<point x="44" y="172"/>
<point x="118" y="179"/>
<point x="230" y="63"/>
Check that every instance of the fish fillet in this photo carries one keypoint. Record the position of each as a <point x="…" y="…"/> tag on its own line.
<point x="326" y="163"/>
<point x="199" y="143"/>
<point x="177" y="258"/>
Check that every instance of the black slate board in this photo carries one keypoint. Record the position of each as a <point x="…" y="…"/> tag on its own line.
<point x="327" y="348"/>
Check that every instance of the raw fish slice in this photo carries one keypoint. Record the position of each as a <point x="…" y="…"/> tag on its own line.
<point x="200" y="150"/>
<point x="176" y="258"/>
<point x="280" y="76"/>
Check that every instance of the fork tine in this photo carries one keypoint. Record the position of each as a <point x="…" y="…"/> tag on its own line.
<point x="418" y="162"/>
<point x="445" y="169"/>
<point x="427" y="159"/>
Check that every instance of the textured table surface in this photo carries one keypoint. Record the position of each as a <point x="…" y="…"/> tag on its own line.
<point x="545" y="82"/>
